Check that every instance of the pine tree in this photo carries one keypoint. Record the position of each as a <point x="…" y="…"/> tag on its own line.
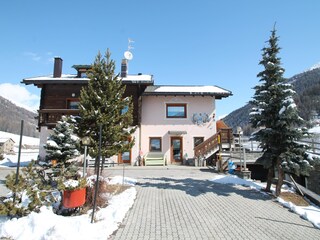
<point x="62" y="143"/>
<point x="102" y="103"/>
<point x="276" y="116"/>
<point x="28" y="194"/>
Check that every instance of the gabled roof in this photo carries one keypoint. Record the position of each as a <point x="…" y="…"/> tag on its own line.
<point x="83" y="66"/>
<point x="65" y="78"/>
<point x="3" y="140"/>
<point x="213" y="91"/>
<point x="74" y="79"/>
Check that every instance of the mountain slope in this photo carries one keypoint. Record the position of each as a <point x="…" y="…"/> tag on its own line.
<point x="11" y="116"/>
<point x="307" y="98"/>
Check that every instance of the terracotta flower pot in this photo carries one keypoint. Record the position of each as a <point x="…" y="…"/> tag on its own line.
<point x="74" y="198"/>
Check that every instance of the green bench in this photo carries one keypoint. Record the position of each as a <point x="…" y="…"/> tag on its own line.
<point x="154" y="158"/>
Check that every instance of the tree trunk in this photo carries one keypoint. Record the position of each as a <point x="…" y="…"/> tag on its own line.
<point x="103" y="161"/>
<point x="269" y="180"/>
<point x="280" y="178"/>
<point x="96" y="163"/>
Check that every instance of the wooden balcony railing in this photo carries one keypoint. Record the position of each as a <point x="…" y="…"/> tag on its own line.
<point x="49" y="117"/>
<point x="212" y="143"/>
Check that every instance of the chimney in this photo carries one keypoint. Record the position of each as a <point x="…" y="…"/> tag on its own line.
<point x="57" y="69"/>
<point x="124" y="68"/>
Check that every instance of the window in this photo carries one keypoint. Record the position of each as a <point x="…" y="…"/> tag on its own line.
<point x="176" y="110"/>
<point x="73" y="103"/>
<point x="155" y="144"/>
<point x="83" y="75"/>
<point x="124" y="110"/>
<point x="197" y="141"/>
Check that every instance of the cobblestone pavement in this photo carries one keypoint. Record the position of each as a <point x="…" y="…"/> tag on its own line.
<point x="181" y="203"/>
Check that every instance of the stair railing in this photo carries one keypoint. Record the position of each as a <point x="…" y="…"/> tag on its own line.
<point x="212" y="143"/>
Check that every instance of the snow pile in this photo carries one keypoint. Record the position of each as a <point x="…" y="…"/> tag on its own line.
<point x="47" y="225"/>
<point x="232" y="179"/>
<point x="314" y="130"/>
<point x="71" y="184"/>
<point x="310" y="213"/>
<point x="126" y="180"/>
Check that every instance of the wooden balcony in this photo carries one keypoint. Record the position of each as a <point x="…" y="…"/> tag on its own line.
<point x="49" y="117"/>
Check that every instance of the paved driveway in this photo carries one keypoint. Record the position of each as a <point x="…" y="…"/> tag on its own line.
<point x="181" y="203"/>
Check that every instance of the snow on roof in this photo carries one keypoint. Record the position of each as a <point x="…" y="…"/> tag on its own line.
<point x="3" y="140"/>
<point x="73" y="77"/>
<point x="139" y="77"/>
<point x="187" y="90"/>
<point x="50" y="77"/>
<point x="190" y="89"/>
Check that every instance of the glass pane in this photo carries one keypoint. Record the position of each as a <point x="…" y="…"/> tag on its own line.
<point x="126" y="156"/>
<point x="176" y="149"/>
<point x="124" y="110"/>
<point x="155" y="144"/>
<point x="73" y="105"/>
<point x="83" y="75"/>
<point x="176" y="111"/>
<point x="197" y="141"/>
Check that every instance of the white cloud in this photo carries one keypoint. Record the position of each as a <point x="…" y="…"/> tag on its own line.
<point x="33" y="56"/>
<point x="45" y="57"/>
<point x="20" y="96"/>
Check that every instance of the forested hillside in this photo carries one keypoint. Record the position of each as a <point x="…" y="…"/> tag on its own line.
<point x="11" y="116"/>
<point x="307" y="98"/>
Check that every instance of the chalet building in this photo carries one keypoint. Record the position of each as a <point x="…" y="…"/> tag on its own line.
<point x="171" y="120"/>
<point x="6" y="146"/>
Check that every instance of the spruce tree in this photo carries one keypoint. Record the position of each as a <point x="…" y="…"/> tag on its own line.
<point x="276" y="116"/>
<point x="102" y="103"/>
<point x="62" y="143"/>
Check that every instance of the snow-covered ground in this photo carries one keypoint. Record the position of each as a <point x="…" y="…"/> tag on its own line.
<point x="47" y="225"/>
<point x="29" y="150"/>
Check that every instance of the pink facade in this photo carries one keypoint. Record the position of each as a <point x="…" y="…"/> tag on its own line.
<point x="199" y="122"/>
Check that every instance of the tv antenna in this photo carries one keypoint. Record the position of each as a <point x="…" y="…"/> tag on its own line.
<point x="128" y="54"/>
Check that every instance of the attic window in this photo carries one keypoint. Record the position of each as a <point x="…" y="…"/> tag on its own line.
<point x="83" y="75"/>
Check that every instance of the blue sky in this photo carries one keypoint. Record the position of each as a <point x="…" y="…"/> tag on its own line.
<point x="203" y="42"/>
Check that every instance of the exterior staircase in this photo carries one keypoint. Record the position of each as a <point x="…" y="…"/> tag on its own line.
<point x="223" y="139"/>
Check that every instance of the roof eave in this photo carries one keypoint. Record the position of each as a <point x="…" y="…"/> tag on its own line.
<point x="217" y="95"/>
<point x="54" y="81"/>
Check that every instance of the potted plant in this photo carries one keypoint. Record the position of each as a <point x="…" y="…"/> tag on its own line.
<point x="74" y="192"/>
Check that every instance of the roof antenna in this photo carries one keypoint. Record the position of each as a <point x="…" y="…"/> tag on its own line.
<point x="127" y="54"/>
<point x="127" y="57"/>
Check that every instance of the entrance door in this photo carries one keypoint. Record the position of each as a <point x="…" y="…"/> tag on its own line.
<point x="176" y="149"/>
<point x="125" y="157"/>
